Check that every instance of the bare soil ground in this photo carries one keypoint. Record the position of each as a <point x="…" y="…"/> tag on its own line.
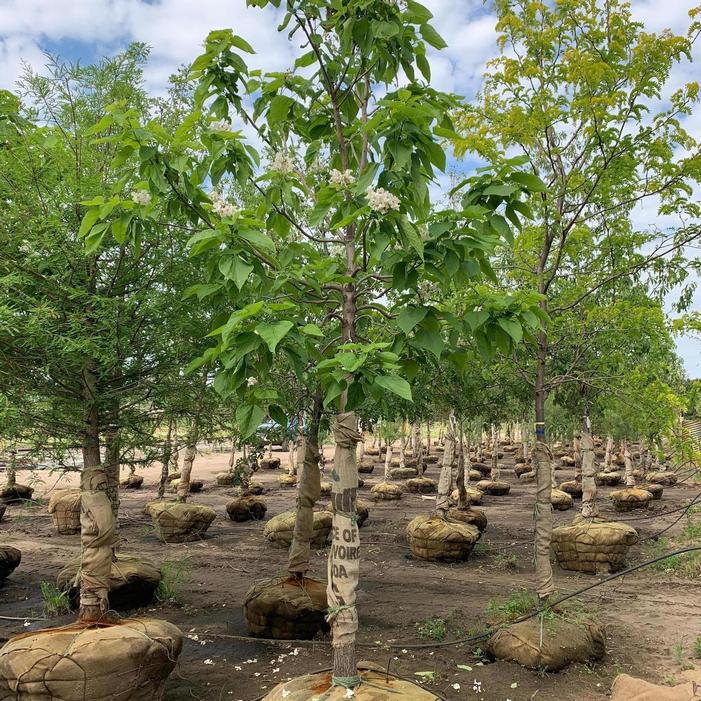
<point x="646" y="614"/>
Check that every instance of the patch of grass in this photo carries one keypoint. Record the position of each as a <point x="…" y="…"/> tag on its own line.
<point x="697" y="648"/>
<point x="670" y="679"/>
<point x="677" y="651"/>
<point x="505" y="561"/>
<point x="432" y="628"/>
<point x="518" y="604"/>
<point x="55" y="601"/>
<point x="173" y="573"/>
<point x="687" y="566"/>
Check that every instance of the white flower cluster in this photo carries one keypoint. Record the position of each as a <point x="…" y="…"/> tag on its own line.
<point x="282" y="164"/>
<point x="221" y="125"/>
<point x="222" y="207"/>
<point x="381" y="200"/>
<point x="341" y="179"/>
<point x="251" y="382"/>
<point x="141" y="197"/>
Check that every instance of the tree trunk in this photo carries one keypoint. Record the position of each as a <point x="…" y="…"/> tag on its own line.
<point x="589" y="506"/>
<point x="445" y="481"/>
<point x="388" y="459"/>
<point x="629" y="477"/>
<point x="232" y="454"/>
<point x="165" y="460"/>
<point x="428" y="436"/>
<point x="416" y="439"/>
<point x="494" y="474"/>
<point x="609" y="454"/>
<point x="463" y="496"/>
<point x="97" y="522"/>
<point x="112" y="455"/>
<point x="402" y="446"/>
<point x="12" y="470"/>
<point x="188" y="460"/>
<point x="577" y="459"/>
<point x="542" y="463"/>
<point x="308" y="492"/>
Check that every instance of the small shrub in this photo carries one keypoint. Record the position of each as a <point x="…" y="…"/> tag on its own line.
<point x="697" y="648"/>
<point x="506" y="561"/>
<point x="678" y="652"/>
<point x="432" y="628"/>
<point x="173" y="573"/>
<point x="55" y="601"/>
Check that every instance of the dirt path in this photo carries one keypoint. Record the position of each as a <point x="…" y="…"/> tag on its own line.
<point x="646" y="614"/>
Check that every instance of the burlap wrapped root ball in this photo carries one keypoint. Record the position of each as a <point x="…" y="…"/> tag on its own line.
<point x="133" y="582"/>
<point x="573" y="488"/>
<point x="280" y="528"/>
<point x="3" y="508"/>
<point x="128" y="661"/>
<point x="173" y="476"/>
<point x="655" y="489"/>
<point x="422" y="485"/>
<point x="325" y="489"/>
<point x="475" y="495"/>
<point x="225" y="479"/>
<point x="270" y="463"/>
<point x="473" y="517"/>
<point x="386" y="491"/>
<point x="627" y="688"/>
<point x="495" y="488"/>
<point x="378" y="686"/>
<point x="250" y="508"/>
<point x="549" y="645"/>
<point x="481" y="467"/>
<point x="630" y="498"/>
<point x="362" y="511"/>
<point x="666" y="479"/>
<point x="522" y="468"/>
<point x="64" y="507"/>
<point x="290" y="608"/>
<point x="567" y="461"/>
<point x="593" y="546"/>
<point x="287" y="480"/>
<point x="403" y="473"/>
<point x="366" y="467"/>
<point x="132" y="482"/>
<point x="608" y="479"/>
<point x="433" y="538"/>
<point x="9" y="560"/>
<point x="16" y="493"/>
<point x="180" y="523"/>
<point x="195" y="486"/>
<point x="561" y="500"/>
<point x="254" y="488"/>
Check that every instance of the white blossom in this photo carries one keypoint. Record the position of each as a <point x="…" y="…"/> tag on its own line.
<point x="208" y="661"/>
<point x="341" y="179"/>
<point x="225" y="209"/>
<point x="251" y="382"/>
<point x="221" y="125"/>
<point x="141" y="197"/>
<point x="282" y="164"/>
<point x="456" y="686"/>
<point x="381" y="200"/>
<point x="477" y="687"/>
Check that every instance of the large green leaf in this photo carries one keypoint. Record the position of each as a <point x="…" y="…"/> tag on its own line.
<point x="248" y="418"/>
<point x="409" y="317"/>
<point x="430" y="341"/>
<point x="273" y="333"/>
<point x="512" y="327"/>
<point x="397" y="385"/>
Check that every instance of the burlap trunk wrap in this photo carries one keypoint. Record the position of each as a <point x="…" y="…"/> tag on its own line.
<point x="308" y="492"/>
<point x="97" y="535"/>
<point x="64" y="507"/>
<point x="344" y="557"/>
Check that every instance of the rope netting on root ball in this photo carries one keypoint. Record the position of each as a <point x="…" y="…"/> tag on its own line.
<point x="64" y="507"/>
<point x="593" y="545"/>
<point x="386" y="491"/>
<point x="434" y="538"/>
<point x="473" y="517"/>
<point x="286" y="608"/>
<point x="630" y="498"/>
<point x="125" y="661"/>
<point x="280" y="529"/>
<point x="474" y="495"/>
<point x="422" y="485"/>
<point x="495" y="488"/>
<point x="376" y="684"/>
<point x="132" y="582"/>
<point x="548" y="643"/>
<point x="12" y="494"/>
<point x="176" y="522"/>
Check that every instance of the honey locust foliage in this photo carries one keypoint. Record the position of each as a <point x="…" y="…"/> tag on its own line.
<point x="325" y="263"/>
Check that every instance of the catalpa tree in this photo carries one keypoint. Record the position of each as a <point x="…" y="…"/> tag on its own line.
<point x="331" y="263"/>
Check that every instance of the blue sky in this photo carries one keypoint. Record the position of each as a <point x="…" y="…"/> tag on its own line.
<point x="175" y="29"/>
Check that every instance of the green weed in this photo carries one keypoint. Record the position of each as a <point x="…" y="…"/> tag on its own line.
<point x="173" y="573"/>
<point x="697" y="648"/>
<point x="518" y="604"/>
<point x="432" y="628"/>
<point x="55" y="601"/>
